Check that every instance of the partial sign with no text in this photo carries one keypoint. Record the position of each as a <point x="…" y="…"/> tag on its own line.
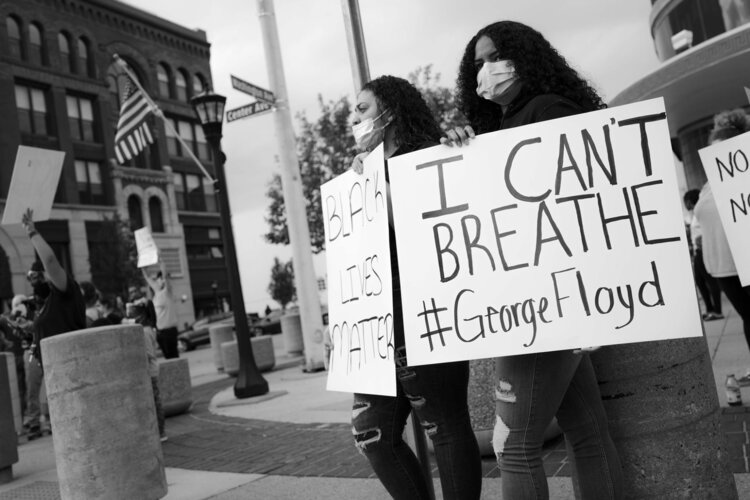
<point x="148" y="252"/>
<point x="727" y="166"/>
<point x="36" y="174"/>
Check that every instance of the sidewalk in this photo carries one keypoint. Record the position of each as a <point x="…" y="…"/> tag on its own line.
<point x="295" y="442"/>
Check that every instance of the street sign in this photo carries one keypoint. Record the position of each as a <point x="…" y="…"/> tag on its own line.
<point x="249" y="110"/>
<point x="253" y="90"/>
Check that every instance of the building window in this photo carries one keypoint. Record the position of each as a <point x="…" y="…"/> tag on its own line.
<point x="162" y="76"/>
<point x="199" y="85"/>
<point x="89" y="181"/>
<point x="185" y="129"/>
<point x="321" y="283"/>
<point x="135" y="214"/>
<point x="81" y="118"/>
<point x="201" y="146"/>
<point x="66" y="57"/>
<point x="210" y="192"/>
<point x="180" y="83"/>
<point x="192" y="135"/>
<point x="173" y="144"/>
<point x="84" y="58"/>
<point x="179" y="191"/>
<point x="14" y="37"/>
<point x="32" y="110"/>
<point x="214" y="233"/>
<point x="157" y="218"/>
<point x="36" y="50"/>
<point x="195" y="198"/>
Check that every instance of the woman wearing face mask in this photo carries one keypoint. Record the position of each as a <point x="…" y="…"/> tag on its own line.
<point x="511" y="76"/>
<point x="391" y="111"/>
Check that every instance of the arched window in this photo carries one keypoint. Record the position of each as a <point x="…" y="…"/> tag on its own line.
<point x="35" y="44"/>
<point x="180" y="84"/>
<point x="162" y="75"/>
<point x="154" y="211"/>
<point x="66" y="57"/>
<point x="199" y="84"/>
<point x="135" y="214"/>
<point x="84" y="60"/>
<point x="14" y="37"/>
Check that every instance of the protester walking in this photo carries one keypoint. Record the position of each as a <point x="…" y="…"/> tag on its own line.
<point x="707" y="284"/>
<point x="166" y="311"/>
<point x="62" y="310"/>
<point x="511" y="76"/>
<point x="391" y="111"/>
<point x="717" y="256"/>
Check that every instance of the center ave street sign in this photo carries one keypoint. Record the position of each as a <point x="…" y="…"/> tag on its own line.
<point x="248" y="110"/>
<point x="253" y="90"/>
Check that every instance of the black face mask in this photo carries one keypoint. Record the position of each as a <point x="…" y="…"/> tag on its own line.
<point x="41" y="290"/>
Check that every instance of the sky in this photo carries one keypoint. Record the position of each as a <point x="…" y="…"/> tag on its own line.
<point x="607" y="41"/>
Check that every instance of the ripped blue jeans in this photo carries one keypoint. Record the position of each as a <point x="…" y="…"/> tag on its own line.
<point x="529" y="391"/>
<point x="438" y="395"/>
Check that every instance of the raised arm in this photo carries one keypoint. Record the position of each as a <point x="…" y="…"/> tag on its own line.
<point x="55" y="272"/>
<point x="151" y="282"/>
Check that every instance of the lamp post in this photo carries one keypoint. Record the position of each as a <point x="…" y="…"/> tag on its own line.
<point x="210" y="110"/>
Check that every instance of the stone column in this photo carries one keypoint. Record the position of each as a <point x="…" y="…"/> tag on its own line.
<point x="102" y="413"/>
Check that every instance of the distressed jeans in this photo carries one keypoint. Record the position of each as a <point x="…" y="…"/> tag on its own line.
<point x="437" y="393"/>
<point x="529" y="391"/>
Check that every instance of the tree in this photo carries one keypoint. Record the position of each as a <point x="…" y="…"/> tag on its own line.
<point x="113" y="257"/>
<point x="325" y="149"/>
<point x="281" y="288"/>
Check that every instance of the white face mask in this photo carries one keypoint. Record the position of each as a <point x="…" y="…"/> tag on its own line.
<point x="364" y="132"/>
<point x="494" y="79"/>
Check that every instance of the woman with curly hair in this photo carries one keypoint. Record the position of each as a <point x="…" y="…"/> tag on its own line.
<point x="511" y="76"/>
<point x="391" y="111"/>
<point x="717" y="256"/>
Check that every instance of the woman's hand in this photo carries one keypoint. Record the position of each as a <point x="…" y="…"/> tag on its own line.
<point x="27" y="219"/>
<point x="358" y="164"/>
<point x="584" y="350"/>
<point x="458" y="136"/>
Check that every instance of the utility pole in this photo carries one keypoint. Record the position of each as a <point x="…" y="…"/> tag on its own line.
<point x="291" y="182"/>
<point x="355" y="39"/>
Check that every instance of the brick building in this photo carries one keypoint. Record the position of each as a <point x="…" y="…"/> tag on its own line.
<point x="60" y="89"/>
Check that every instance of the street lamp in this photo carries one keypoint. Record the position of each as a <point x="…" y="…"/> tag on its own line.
<point x="210" y="110"/>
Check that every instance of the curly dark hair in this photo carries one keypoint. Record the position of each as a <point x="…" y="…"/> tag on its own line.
<point x="537" y="64"/>
<point x="412" y="120"/>
<point x="728" y="124"/>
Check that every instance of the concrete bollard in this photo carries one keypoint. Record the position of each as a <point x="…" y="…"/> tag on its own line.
<point x="102" y="412"/>
<point x="8" y="438"/>
<point x="174" y="386"/>
<point x="291" y="329"/>
<point x="265" y="358"/>
<point x="218" y="335"/>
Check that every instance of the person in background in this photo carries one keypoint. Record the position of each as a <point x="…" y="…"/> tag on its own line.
<point x="91" y="299"/>
<point x="391" y="111"/>
<point x="166" y="311"/>
<point x="62" y="310"/>
<point x="511" y="76"/>
<point x="717" y="256"/>
<point x="16" y="327"/>
<point x="141" y="311"/>
<point x="108" y="312"/>
<point x="707" y="285"/>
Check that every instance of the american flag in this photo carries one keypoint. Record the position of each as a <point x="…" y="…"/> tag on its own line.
<point x="133" y="134"/>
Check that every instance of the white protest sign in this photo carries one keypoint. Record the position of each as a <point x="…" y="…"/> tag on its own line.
<point x="36" y="174"/>
<point x="148" y="252"/>
<point x="727" y="165"/>
<point x="558" y="235"/>
<point x="360" y="292"/>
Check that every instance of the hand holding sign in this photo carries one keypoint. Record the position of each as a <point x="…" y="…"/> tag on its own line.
<point x="27" y="219"/>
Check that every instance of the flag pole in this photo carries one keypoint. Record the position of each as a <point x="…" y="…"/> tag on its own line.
<point x="158" y="112"/>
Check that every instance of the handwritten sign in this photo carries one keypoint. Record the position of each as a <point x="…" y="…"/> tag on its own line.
<point x="559" y="235"/>
<point x="36" y="174"/>
<point x="148" y="252"/>
<point x="360" y="292"/>
<point x="726" y="164"/>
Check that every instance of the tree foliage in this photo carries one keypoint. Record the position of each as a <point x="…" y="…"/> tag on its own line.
<point x="325" y="148"/>
<point x="113" y="257"/>
<point x="281" y="288"/>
